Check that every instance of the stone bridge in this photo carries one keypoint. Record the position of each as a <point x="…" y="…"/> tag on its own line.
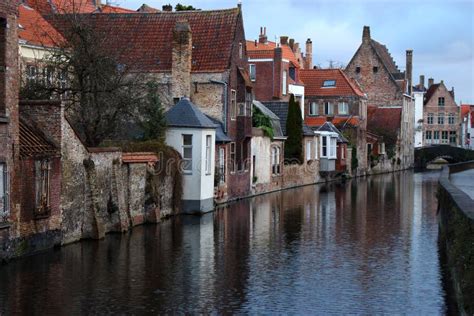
<point x="425" y="155"/>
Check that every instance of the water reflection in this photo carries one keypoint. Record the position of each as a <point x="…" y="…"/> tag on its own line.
<point x="363" y="246"/>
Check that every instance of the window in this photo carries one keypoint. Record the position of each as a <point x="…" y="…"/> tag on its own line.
<point x="451" y="119"/>
<point x="233" y="104"/>
<point x="440" y="118"/>
<point x="436" y="137"/>
<point x="232" y="157"/>
<point x="3" y="193"/>
<point x="48" y="76"/>
<point x="444" y="137"/>
<point x="343" y="152"/>
<point x="248" y="103"/>
<point x="329" y="83"/>
<point x="241" y="50"/>
<point x="452" y="137"/>
<point x="375" y="69"/>
<point x="187" y="153"/>
<point x="42" y="186"/>
<point x="324" y="146"/>
<point x="430" y="118"/>
<point x="308" y="150"/>
<point x="208" y="154"/>
<point x="62" y="78"/>
<point x="343" y="108"/>
<point x="292" y="73"/>
<point x="283" y="88"/>
<point x="381" y="148"/>
<point x="313" y="108"/>
<point x="275" y="160"/>
<point x="428" y="135"/>
<point x="328" y="108"/>
<point x="441" y="101"/>
<point x="357" y="70"/>
<point x="333" y="144"/>
<point x="31" y="74"/>
<point x="253" y="72"/>
<point x="221" y="165"/>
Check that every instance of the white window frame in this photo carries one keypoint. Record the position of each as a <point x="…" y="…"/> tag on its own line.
<point x="185" y="159"/>
<point x="308" y="150"/>
<point x="343" y="108"/>
<point x="275" y="160"/>
<point x="253" y="72"/>
<point x="4" y="209"/>
<point x="451" y="119"/>
<point x="313" y="108"/>
<point x="233" y="157"/>
<point x="430" y="119"/>
<point x="328" y="108"/>
<point x="441" y="118"/>
<point x="233" y="104"/>
<point x="324" y="146"/>
<point x="284" y="83"/>
<point x="315" y="149"/>
<point x="332" y="147"/>
<point x="222" y="167"/>
<point x="343" y="152"/>
<point x="208" y="161"/>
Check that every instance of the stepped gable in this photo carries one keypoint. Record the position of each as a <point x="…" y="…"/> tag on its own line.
<point x="141" y="40"/>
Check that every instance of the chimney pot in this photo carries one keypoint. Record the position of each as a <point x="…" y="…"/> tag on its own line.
<point x="309" y="54"/>
<point x="366" y="34"/>
<point x="430" y="82"/>
<point x="262" y="38"/>
<point x="422" y="81"/>
<point x="283" y="40"/>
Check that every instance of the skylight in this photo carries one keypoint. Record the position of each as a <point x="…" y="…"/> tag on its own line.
<point x="329" y="83"/>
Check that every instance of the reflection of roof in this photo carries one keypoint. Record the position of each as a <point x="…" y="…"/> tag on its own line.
<point x="138" y="39"/>
<point x="384" y="118"/>
<point x="186" y="114"/>
<point x="275" y="120"/>
<point x="35" y="30"/>
<point x="280" y="108"/>
<point x="314" y="79"/>
<point x="33" y="142"/>
<point x="221" y="137"/>
<point x="329" y="127"/>
<point x="265" y="51"/>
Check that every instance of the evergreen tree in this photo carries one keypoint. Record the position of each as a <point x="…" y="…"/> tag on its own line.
<point x="294" y="131"/>
<point x="153" y="123"/>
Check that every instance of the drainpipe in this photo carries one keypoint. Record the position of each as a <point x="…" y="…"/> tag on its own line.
<point x="225" y="101"/>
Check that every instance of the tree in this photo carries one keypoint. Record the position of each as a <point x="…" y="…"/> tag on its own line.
<point x="183" y="7"/>
<point x="153" y="123"/>
<point x="294" y="131"/>
<point x="101" y="93"/>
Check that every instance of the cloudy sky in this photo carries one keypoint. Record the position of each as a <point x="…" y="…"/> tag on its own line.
<point x="440" y="32"/>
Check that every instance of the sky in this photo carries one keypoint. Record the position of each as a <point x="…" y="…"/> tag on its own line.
<point x="440" y="32"/>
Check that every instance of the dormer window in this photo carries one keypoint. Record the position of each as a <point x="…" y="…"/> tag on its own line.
<point x="329" y="83"/>
<point x="292" y="73"/>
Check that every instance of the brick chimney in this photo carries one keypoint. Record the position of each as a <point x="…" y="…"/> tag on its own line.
<point x="366" y="34"/>
<point x="430" y="82"/>
<point x="167" y="7"/>
<point x="283" y="40"/>
<point x="309" y="54"/>
<point x="408" y="70"/>
<point x="181" y="60"/>
<point x="277" y="80"/>
<point x="291" y="43"/>
<point x="262" y="38"/>
<point x="422" y="82"/>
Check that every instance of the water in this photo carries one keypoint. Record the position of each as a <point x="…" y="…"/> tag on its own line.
<point x="367" y="246"/>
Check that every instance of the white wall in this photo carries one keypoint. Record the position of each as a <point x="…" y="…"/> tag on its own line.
<point x="298" y="91"/>
<point x="262" y="152"/>
<point x="198" y="185"/>
<point x="418" y="116"/>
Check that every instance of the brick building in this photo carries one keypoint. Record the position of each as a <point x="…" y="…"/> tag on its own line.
<point x="331" y="95"/>
<point x="274" y="68"/>
<point x="385" y="85"/>
<point x="441" y="115"/>
<point x="205" y="60"/>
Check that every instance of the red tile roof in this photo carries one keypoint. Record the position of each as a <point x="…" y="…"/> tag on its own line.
<point x="62" y="6"/>
<point x="314" y="78"/>
<point x="264" y="51"/>
<point x="147" y="9"/>
<point x="142" y="41"/>
<point x="465" y="109"/>
<point x="139" y="157"/>
<point x="113" y="9"/>
<point x="384" y="118"/>
<point x="337" y="121"/>
<point x="35" y="30"/>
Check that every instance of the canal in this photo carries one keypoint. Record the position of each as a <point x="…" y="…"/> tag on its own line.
<point x="366" y="246"/>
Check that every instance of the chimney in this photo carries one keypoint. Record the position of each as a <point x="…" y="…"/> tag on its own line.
<point x="430" y="82"/>
<point x="262" y="38"/>
<point x="309" y="54"/>
<point x="277" y="82"/>
<point x="422" y="82"/>
<point x="408" y="70"/>
<point x="167" y="7"/>
<point x="283" y="40"/>
<point x="181" y="60"/>
<point x="256" y="43"/>
<point x="366" y="34"/>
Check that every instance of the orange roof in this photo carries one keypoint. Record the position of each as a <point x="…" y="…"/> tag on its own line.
<point x="465" y="108"/>
<point x="139" y="157"/>
<point x="314" y="79"/>
<point x="112" y="9"/>
<point x="338" y="121"/>
<point x="35" y="30"/>
<point x="62" y="6"/>
<point x="261" y="51"/>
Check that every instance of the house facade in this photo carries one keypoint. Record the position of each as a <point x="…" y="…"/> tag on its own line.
<point x="332" y="96"/>
<point x="274" y="68"/>
<point x="385" y="85"/>
<point x="467" y="128"/>
<point x="441" y="116"/>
